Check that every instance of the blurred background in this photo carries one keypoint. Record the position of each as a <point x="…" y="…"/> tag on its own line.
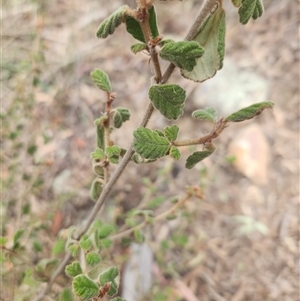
<point x="241" y="241"/>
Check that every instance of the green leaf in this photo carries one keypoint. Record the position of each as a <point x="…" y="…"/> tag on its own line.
<point x="175" y="153"/>
<point x="58" y="247"/>
<point x="134" y="27"/>
<point x="168" y="99"/>
<point x="74" y="249"/>
<point x="98" y="154"/>
<point x="96" y="189"/>
<point x="138" y="47"/>
<point x="114" y="159"/>
<point x="121" y="115"/>
<point x="196" y="157"/>
<point x="92" y="258"/>
<point x="139" y="236"/>
<point x="101" y="80"/>
<point x="108" y="275"/>
<point x="105" y="230"/>
<point x="113" y="288"/>
<point x="236" y="3"/>
<point x="112" y="151"/>
<point x="206" y="114"/>
<point x="109" y="25"/>
<point x="3" y="240"/>
<point x="149" y="144"/>
<point x="73" y="269"/>
<point x="66" y="295"/>
<point x="84" y="287"/>
<point x="100" y="137"/>
<point x="118" y="299"/>
<point x="211" y="36"/>
<point x="164" y="42"/>
<point x="85" y="242"/>
<point x="171" y="132"/>
<point x="17" y="237"/>
<point x="182" y="54"/>
<point x="37" y="246"/>
<point x="250" y="9"/>
<point x="249" y="112"/>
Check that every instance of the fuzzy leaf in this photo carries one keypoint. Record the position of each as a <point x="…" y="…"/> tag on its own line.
<point x="121" y="115"/>
<point x="85" y="242"/>
<point x="109" y="25"/>
<point x="74" y="249"/>
<point x="175" y="153"/>
<point x="250" y="9"/>
<point x="138" y="47"/>
<point x="196" y="157"/>
<point x="105" y="230"/>
<point x="58" y="247"/>
<point x="100" y="137"/>
<point x="164" y="42"/>
<point x="168" y="99"/>
<point x="113" y="150"/>
<point x="96" y="189"/>
<point x="149" y="144"/>
<point x="211" y="36"/>
<point x="66" y="295"/>
<point x="98" y="154"/>
<point x="108" y="275"/>
<point x="84" y="287"/>
<point x="73" y="269"/>
<point x="134" y="27"/>
<point x="114" y="159"/>
<point x="171" y="132"/>
<point x="101" y="80"/>
<point x="206" y="114"/>
<point x="92" y="258"/>
<point x="113" y="289"/>
<point x="118" y="299"/>
<point x="249" y="112"/>
<point x="182" y="54"/>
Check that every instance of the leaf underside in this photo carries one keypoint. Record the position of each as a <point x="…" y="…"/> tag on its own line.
<point x="206" y="114"/>
<point x="211" y="36"/>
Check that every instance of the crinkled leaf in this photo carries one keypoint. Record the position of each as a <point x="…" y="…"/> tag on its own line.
<point x="114" y="159"/>
<point x="196" y="157"/>
<point x="121" y="115"/>
<point x="113" y="289"/>
<point x="66" y="295"/>
<point x="85" y="242"/>
<point x="182" y="54"/>
<point x="211" y="36"/>
<point x="84" y="287"/>
<point x="250" y="9"/>
<point x="206" y="114"/>
<point x="105" y="230"/>
<point x="134" y="27"/>
<point x="74" y="249"/>
<point x="149" y="144"/>
<point x="93" y="258"/>
<point x="168" y="99"/>
<point x="96" y="189"/>
<point x="138" y="47"/>
<point x="101" y="80"/>
<point x="171" y="132"/>
<point x="112" y="150"/>
<point x="175" y="153"/>
<point x="98" y="154"/>
<point x="164" y="42"/>
<point x="249" y="112"/>
<point x="109" y="25"/>
<point x="118" y="299"/>
<point x="73" y="269"/>
<point x="108" y="275"/>
<point x="100" y="137"/>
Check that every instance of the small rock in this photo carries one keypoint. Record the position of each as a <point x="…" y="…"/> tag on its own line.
<point x="252" y="152"/>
